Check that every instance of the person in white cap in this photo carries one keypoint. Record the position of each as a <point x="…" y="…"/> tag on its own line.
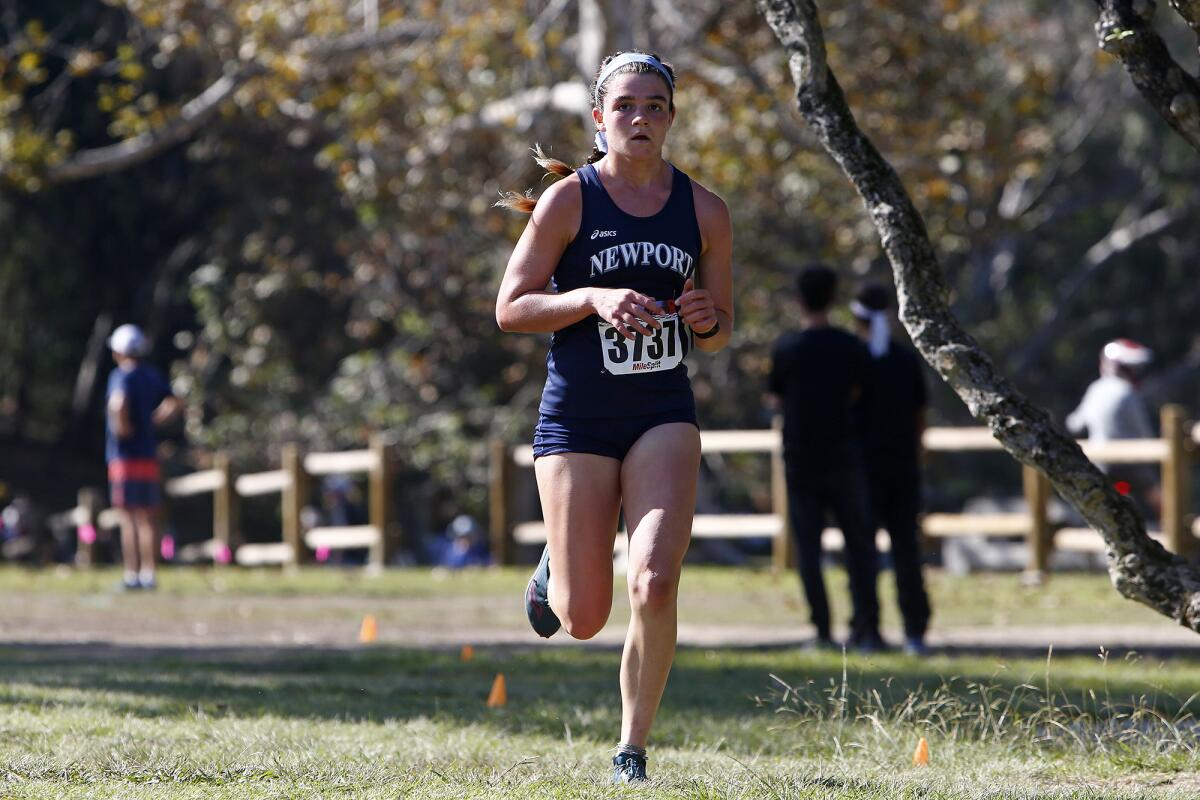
<point x="1113" y="408"/>
<point x="137" y="399"/>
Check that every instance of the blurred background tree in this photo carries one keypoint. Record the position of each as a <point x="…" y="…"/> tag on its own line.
<point x="295" y="199"/>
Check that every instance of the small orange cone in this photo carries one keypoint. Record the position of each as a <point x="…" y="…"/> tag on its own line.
<point x="499" y="694"/>
<point x="921" y="754"/>
<point x="369" y="631"/>
<point x="467" y="653"/>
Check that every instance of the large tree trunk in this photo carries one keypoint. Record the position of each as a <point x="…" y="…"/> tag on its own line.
<point x="1140" y="568"/>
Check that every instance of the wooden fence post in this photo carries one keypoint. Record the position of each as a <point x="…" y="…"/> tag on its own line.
<point x="225" y="513"/>
<point x="379" y="494"/>
<point x="783" y="553"/>
<point x="293" y="502"/>
<point x="1037" y="495"/>
<point x="1176" y="481"/>
<point x="500" y="474"/>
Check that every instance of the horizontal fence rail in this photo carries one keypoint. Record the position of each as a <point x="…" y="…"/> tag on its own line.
<point x="259" y="483"/>
<point x="1173" y="453"/>
<point x="290" y="482"/>
<point x="204" y="482"/>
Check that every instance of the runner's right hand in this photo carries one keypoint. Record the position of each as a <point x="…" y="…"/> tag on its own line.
<point x="628" y="311"/>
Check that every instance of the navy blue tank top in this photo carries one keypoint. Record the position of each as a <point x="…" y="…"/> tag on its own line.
<point x="592" y="371"/>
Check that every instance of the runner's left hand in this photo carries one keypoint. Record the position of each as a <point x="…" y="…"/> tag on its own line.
<point x="696" y="307"/>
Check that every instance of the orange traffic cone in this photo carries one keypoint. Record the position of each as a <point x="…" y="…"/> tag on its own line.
<point x="921" y="754"/>
<point x="369" y="631"/>
<point x="499" y="694"/>
<point x="467" y="653"/>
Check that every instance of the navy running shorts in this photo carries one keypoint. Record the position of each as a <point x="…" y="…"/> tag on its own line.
<point x="133" y="482"/>
<point x="602" y="436"/>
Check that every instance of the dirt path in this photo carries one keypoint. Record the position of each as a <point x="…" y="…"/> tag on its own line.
<point x="216" y="622"/>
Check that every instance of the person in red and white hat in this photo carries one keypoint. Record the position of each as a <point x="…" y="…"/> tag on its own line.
<point x="1113" y="408"/>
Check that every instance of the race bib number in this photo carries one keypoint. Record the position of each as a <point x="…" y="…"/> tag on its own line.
<point x="662" y="350"/>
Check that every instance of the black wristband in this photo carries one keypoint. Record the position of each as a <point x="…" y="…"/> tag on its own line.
<point x="708" y="334"/>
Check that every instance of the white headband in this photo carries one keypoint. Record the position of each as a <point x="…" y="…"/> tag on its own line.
<point x="631" y="58"/>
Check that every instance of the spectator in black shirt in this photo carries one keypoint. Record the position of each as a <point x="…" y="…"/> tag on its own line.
<point x="891" y="420"/>
<point x="817" y="375"/>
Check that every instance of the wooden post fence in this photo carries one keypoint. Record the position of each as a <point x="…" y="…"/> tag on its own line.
<point x="218" y="482"/>
<point x="381" y="536"/>
<point x="294" y="494"/>
<point x="1037" y="496"/>
<point x="225" y="512"/>
<point x="499" y="518"/>
<point x="1177" y="481"/>
<point x="1174" y="452"/>
<point x="259" y="554"/>
<point x="783" y="551"/>
<point x="379" y="499"/>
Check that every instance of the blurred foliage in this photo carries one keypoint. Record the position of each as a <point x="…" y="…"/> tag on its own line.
<point x="321" y="258"/>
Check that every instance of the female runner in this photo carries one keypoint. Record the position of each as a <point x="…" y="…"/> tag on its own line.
<point x="637" y="259"/>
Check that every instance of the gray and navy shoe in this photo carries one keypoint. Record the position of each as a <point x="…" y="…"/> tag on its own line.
<point x="629" y="768"/>
<point x="537" y="601"/>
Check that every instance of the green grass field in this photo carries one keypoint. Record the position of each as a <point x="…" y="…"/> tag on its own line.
<point x="124" y="721"/>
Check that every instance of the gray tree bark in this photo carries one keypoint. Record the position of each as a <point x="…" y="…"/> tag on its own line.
<point x="1124" y="29"/>
<point x="1139" y="567"/>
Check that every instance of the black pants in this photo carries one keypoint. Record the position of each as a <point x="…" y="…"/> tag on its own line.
<point x="896" y="501"/>
<point x="838" y="485"/>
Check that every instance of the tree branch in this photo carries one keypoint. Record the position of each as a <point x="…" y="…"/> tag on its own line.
<point x="198" y="111"/>
<point x="1123" y="29"/>
<point x="143" y="147"/>
<point x="567" y="97"/>
<point x="1140" y="568"/>
<point x="1190" y="11"/>
<point x="1120" y="238"/>
<point x="1020" y="192"/>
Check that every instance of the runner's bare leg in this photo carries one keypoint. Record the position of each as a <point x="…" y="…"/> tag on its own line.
<point x="658" y="484"/>
<point x="581" y="501"/>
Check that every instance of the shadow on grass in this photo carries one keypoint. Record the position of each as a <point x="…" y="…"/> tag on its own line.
<point x="551" y="691"/>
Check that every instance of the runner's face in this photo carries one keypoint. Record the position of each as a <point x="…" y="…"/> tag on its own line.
<point x="637" y="114"/>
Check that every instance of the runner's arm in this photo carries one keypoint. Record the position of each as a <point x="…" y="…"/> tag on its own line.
<point x="714" y="272"/>
<point x="525" y="306"/>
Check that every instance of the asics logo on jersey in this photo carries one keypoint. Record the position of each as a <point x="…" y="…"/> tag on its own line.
<point x="599" y="234"/>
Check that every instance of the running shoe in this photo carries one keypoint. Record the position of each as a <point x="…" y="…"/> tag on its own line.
<point x="629" y="768"/>
<point x="537" y="601"/>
